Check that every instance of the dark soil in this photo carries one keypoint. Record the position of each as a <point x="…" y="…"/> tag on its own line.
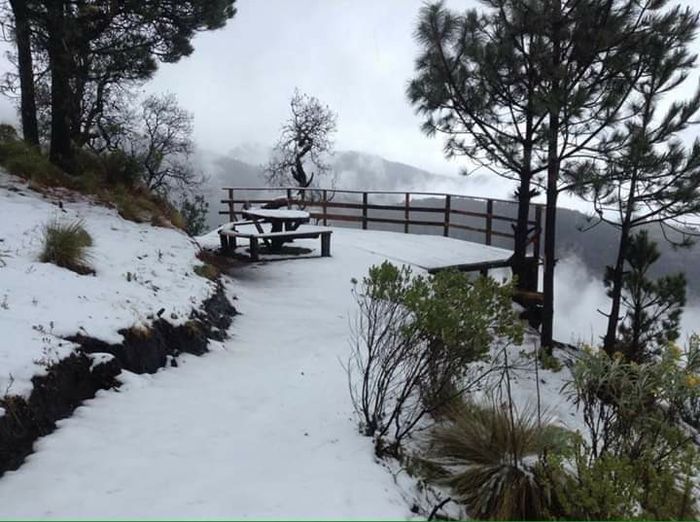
<point x="74" y="379"/>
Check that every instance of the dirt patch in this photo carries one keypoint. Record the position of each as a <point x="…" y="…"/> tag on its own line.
<point x="78" y="377"/>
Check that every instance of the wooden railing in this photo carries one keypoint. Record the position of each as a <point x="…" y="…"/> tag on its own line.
<point x="324" y="206"/>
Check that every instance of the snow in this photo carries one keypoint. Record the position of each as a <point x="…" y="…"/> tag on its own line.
<point x="276" y="213"/>
<point x="140" y="269"/>
<point x="261" y="427"/>
<point x="421" y="251"/>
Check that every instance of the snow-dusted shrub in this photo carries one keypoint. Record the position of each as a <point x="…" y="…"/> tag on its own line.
<point x="491" y="459"/>
<point x="622" y="487"/>
<point x="413" y="340"/>
<point x="637" y="458"/>
<point x="65" y="245"/>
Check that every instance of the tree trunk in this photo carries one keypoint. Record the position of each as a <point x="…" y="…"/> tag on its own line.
<point x="550" y="233"/>
<point x="610" y="339"/>
<point x="61" y="151"/>
<point x="30" y="128"/>
<point x="555" y="102"/>
<point x="520" y="268"/>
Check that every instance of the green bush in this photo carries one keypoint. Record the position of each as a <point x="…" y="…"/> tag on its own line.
<point x="23" y="160"/>
<point x="620" y="487"/>
<point x="65" y="244"/>
<point x="121" y="169"/>
<point x="413" y="340"/>
<point x="194" y="214"/>
<point x="636" y="459"/>
<point x="491" y="459"/>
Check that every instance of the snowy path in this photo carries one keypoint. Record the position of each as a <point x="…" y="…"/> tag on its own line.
<point x="260" y="428"/>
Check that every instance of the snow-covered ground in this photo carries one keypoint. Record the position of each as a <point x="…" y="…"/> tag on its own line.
<point x="139" y="270"/>
<point x="261" y="427"/>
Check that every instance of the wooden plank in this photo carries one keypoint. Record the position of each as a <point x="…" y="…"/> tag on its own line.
<point x="467" y="227"/>
<point x="364" y="211"/>
<point x="528" y="296"/>
<point x="243" y="201"/>
<point x="495" y="233"/>
<point x="473" y="267"/>
<point x="385" y="192"/>
<point x="325" y="244"/>
<point x="407" y="205"/>
<point x="254" y="248"/>
<point x="411" y="222"/>
<point x="231" y="214"/>
<point x="325" y="206"/>
<point x="489" y="222"/>
<point x="446" y="230"/>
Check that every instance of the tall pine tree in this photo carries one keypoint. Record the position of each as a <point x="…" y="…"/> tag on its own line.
<point x="529" y="88"/>
<point x="643" y="174"/>
<point x="475" y="83"/>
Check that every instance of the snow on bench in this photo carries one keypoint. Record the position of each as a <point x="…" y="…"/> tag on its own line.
<point x="228" y="235"/>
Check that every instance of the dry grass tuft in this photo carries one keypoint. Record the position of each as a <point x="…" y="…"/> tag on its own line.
<point x="492" y="462"/>
<point x="65" y="244"/>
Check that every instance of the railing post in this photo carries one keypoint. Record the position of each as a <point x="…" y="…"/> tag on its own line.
<point x="289" y="198"/>
<point x="406" y="212"/>
<point x="489" y="220"/>
<point x="448" y="209"/>
<point x="231" y="213"/>
<point x="364" y="211"/>
<point x="325" y="207"/>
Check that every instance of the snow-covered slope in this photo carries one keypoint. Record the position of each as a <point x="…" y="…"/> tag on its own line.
<point x="139" y="270"/>
<point x="262" y="427"/>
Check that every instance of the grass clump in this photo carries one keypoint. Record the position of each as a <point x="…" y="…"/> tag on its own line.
<point x="490" y="457"/>
<point x="65" y="244"/>
<point x="550" y="362"/>
<point x="23" y="160"/>
<point x="208" y="271"/>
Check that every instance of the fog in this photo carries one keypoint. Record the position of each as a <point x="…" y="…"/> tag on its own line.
<point x="578" y="297"/>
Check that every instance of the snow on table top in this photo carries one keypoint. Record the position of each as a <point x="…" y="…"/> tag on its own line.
<point x="261" y="428"/>
<point x="276" y="213"/>
<point x="140" y="269"/>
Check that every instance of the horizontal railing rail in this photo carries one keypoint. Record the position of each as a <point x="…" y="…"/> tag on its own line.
<point x="324" y="206"/>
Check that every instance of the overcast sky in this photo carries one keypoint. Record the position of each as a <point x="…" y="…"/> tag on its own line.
<point x="354" y="55"/>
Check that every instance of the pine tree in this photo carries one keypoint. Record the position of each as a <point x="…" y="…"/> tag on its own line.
<point x="475" y="83"/>
<point x="653" y="307"/>
<point x="643" y="174"/>
<point x="528" y="89"/>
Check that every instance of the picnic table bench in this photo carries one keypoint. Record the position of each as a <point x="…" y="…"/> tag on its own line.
<point x="285" y="226"/>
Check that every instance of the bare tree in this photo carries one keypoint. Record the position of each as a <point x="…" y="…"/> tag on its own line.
<point x="162" y="144"/>
<point x="301" y="154"/>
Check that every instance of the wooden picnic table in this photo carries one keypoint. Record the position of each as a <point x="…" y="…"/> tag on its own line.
<point x="281" y="220"/>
